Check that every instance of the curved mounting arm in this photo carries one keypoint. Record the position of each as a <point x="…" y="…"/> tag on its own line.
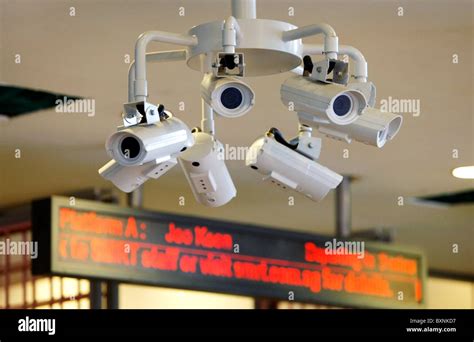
<point x="360" y="66"/>
<point x="330" y="38"/>
<point x="156" y="56"/>
<point x="141" y="91"/>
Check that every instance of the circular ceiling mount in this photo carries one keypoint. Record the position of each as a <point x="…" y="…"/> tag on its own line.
<point x="261" y="43"/>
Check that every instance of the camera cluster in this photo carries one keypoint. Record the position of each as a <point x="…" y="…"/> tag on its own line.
<point x="338" y="111"/>
<point x="323" y="95"/>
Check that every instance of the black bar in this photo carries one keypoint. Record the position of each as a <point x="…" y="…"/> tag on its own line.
<point x="242" y="323"/>
<point x="41" y="218"/>
<point x="451" y="275"/>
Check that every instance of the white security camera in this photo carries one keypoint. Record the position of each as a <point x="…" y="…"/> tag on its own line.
<point x="228" y="96"/>
<point x="288" y="169"/>
<point x="206" y="171"/>
<point x="128" y="178"/>
<point x="373" y="127"/>
<point x="329" y="102"/>
<point x="142" y="143"/>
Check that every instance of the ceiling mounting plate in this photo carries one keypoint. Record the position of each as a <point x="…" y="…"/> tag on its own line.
<point x="261" y="43"/>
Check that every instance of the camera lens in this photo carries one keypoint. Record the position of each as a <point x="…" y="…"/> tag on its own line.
<point x="130" y="147"/>
<point x="231" y="98"/>
<point x="342" y="105"/>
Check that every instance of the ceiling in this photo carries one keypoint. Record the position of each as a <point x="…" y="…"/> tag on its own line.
<point x="410" y="57"/>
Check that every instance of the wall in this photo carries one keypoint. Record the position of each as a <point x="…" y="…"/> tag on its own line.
<point x="441" y="294"/>
<point x="147" y="297"/>
<point x="449" y="294"/>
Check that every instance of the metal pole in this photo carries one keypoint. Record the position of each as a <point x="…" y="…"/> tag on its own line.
<point x="207" y="121"/>
<point x="95" y="294"/>
<point x="343" y="208"/>
<point x="135" y="198"/>
<point x="112" y="295"/>
<point x="244" y="9"/>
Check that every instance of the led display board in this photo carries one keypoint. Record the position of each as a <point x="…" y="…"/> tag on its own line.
<point x="96" y="240"/>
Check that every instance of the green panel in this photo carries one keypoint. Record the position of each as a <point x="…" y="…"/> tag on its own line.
<point x="16" y="101"/>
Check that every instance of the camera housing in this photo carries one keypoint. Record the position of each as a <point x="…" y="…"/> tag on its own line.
<point x="286" y="168"/>
<point x="373" y="127"/>
<point x="368" y="89"/>
<point x="143" y="143"/>
<point x="129" y="178"/>
<point x="228" y="96"/>
<point x="206" y="172"/>
<point x="329" y="102"/>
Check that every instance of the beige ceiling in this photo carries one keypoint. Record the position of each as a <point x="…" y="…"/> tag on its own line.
<point x="409" y="57"/>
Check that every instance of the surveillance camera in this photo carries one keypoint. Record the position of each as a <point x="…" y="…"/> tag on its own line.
<point x="206" y="171"/>
<point x="329" y="102"/>
<point x="128" y="178"/>
<point x="142" y="143"/>
<point x="228" y="96"/>
<point x="284" y="166"/>
<point x="373" y="127"/>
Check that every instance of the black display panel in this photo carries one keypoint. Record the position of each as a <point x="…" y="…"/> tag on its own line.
<point x="95" y="240"/>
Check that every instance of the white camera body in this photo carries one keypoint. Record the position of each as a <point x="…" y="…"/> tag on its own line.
<point x="206" y="171"/>
<point x="373" y="127"/>
<point x="129" y="178"/>
<point x="368" y="89"/>
<point x="289" y="169"/>
<point x="228" y="96"/>
<point x="330" y="102"/>
<point x="160" y="141"/>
